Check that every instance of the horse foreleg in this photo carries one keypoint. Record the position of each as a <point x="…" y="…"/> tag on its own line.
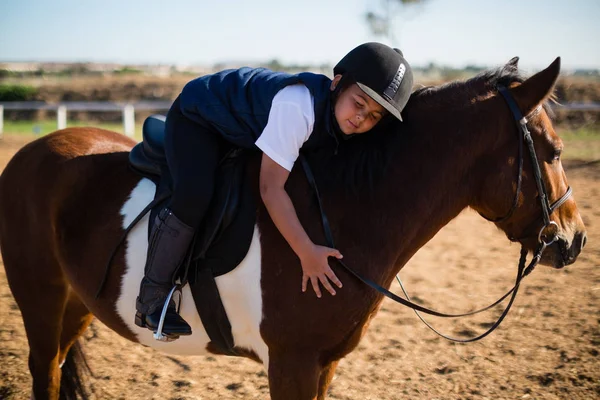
<point x="326" y="378"/>
<point x="293" y="375"/>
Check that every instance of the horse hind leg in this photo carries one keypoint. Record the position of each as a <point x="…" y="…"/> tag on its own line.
<point x="61" y="368"/>
<point x="43" y="326"/>
<point x="41" y="293"/>
<point x="76" y="319"/>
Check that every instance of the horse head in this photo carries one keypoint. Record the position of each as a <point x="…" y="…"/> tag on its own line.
<point x="516" y="207"/>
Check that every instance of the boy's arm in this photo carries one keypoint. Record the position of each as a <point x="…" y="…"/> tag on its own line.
<point x="281" y="209"/>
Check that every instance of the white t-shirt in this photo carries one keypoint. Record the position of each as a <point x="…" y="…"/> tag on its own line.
<point x="290" y="124"/>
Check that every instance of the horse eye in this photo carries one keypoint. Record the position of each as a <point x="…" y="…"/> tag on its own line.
<point x="557" y="154"/>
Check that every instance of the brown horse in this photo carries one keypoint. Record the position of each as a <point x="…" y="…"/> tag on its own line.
<point x="66" y="198"/>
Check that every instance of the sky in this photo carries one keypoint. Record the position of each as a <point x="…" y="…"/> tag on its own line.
<point x="455" y="33"/>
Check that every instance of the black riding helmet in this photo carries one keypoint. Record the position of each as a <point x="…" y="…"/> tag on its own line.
<point x="381" y="72"/>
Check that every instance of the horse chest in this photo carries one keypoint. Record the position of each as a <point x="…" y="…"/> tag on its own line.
<point x="240" y="290"/>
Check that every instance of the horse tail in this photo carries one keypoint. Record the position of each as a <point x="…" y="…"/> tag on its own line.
<point x="75" y="370"/>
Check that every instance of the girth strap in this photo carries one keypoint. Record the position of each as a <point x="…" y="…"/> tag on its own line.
<point x="212" y="312"/>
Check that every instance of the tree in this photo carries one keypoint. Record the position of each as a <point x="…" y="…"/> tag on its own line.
<point x="381" y="21"/>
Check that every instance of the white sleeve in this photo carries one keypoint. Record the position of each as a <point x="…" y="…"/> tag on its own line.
<point x="291" y="121"/>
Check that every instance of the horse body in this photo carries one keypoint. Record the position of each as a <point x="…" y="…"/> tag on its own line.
<point x="85" y="236"/>
<point x="77" y="238"/>
<point x="80" y="196"/>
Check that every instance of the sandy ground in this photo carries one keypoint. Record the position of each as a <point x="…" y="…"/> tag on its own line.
<point x="547" y="348"/>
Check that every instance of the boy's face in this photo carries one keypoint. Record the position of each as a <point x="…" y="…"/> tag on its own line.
<point x="354" y="110"/>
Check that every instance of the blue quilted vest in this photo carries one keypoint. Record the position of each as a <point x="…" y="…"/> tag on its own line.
<point x="236" y="103"/>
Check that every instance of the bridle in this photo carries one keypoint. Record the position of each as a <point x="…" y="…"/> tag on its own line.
<point x="547" y="208"/>
<point x="543" y="241"/>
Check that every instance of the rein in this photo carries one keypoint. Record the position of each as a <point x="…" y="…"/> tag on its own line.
<point x="522" y="271"/>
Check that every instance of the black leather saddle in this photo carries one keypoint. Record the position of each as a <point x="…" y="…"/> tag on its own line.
<point x="224" y="237"/>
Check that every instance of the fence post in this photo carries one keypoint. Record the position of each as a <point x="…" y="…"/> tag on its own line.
<point x="1" y="121"/>
<point x="61" y="117"/>
<point x="129" y="120"/>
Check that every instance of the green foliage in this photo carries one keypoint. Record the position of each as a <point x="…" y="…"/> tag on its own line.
<point x="589" y="73"/>
<point x="16" y="92"/>
<point x="5" y="73"/>
<point x="451" y="74"/>
<point x="581" y="144"/>
<point x="76" y="69"/>
<point x="43" y="127"/>
<point x="275" y="65"/>
<point x="127" y="70"/>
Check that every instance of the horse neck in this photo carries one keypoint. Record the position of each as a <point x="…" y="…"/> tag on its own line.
<point x="431" y="180"/>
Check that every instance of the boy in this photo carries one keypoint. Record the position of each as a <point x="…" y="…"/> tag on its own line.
<point x="279" y="114"/>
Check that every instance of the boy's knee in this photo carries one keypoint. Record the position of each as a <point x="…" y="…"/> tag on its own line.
<point x="191" y="206"/>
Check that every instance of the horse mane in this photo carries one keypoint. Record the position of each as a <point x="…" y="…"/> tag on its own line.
<point x="357" y="164"/>
<point x="361" y="161"/>
<point x="458" y="94"/>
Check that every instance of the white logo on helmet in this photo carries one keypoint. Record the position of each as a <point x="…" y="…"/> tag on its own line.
<point x="394" y="85"/>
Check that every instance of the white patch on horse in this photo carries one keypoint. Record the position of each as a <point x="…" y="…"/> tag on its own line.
<point x="239" y="289"/>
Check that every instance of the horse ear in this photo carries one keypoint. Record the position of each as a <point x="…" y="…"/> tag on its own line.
<point x="512" y="65"/>
<point x="537" y="88"/>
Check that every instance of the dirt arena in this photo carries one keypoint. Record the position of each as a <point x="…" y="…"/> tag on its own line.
<point x="547" y="348"/>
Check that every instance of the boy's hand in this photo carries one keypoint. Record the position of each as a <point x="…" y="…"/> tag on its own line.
<point x="316" y="268"/>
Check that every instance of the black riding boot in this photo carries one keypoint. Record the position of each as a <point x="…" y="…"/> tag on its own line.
<point x="167" y="247"/>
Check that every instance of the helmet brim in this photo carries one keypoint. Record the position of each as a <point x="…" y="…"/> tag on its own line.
<point x="380" y="100"/>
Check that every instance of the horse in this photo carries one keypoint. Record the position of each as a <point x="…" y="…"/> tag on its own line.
<point x="66" y="198"/>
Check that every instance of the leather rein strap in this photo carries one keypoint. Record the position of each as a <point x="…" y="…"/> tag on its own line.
<point x="522" y="271"/>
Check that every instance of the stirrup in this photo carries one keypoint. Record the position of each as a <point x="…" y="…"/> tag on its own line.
<point x="158" y="335"/>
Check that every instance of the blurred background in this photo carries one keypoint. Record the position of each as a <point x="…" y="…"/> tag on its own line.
<point x="111" y="63"/>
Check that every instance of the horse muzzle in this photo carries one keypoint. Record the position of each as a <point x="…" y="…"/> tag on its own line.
<point x="564" y="252"/>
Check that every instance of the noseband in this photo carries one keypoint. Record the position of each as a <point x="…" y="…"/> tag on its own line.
<point x="547" y="208"/>
<point x="522" y="271"/>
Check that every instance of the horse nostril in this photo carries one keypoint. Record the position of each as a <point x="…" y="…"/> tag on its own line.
<point x="579" y="241"/>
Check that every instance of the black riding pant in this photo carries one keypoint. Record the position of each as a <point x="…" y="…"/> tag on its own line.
<point x="193" y="153"/>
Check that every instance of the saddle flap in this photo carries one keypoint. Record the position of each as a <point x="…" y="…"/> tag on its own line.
<point x="225" y="201"/>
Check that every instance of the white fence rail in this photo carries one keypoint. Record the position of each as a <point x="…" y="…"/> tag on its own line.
<point x="128" y="109"/>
